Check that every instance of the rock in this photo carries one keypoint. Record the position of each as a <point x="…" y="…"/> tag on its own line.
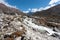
<point x="14" y="28"/>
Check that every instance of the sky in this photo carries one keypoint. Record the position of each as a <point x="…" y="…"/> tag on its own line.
<point x="30" y="5"/>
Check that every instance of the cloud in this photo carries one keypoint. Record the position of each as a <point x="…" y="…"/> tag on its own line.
<point x="7" y="4"/>
<point x="50" y="4"/>
<point x="34" y="10"/>
<point x="38" y="9"/>
<point x="53" y="1"/>
<point x="25" y="11"/>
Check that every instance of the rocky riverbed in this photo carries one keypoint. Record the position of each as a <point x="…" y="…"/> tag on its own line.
<point x="22" y="28"/>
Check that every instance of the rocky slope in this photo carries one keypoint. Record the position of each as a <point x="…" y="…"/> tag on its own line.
<point x="51" y="14"/>
<point x="23" y="27"/>
<point x="10" y="11"/>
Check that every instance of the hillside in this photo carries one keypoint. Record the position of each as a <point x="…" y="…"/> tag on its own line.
<point x="52" y="14"/>
<point x="10" y="11"/>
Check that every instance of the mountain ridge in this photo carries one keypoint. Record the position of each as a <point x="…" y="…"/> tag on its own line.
<point x="52" y="13"/>
<point x="11" y="11"/>
<point x="51" y="10"/>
